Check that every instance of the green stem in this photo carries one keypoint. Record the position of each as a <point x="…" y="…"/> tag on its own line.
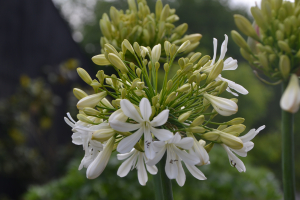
<point x="288" y="169"/>
<point x="162" y="184"/>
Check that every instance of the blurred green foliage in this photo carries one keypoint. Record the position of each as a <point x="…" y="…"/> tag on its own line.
<point x="224" y="182"/>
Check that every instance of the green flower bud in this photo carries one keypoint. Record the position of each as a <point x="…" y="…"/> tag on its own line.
<point x="169" y="84"/>
<point x="184" y="116"/>
<point x="100" y="75"/>
<point x="209" y="147"/>
<point x="137" y="49"/>
<point x="211" y="136"/>
<point x="123" y="93"/>
<point x="91" y="100"/>
<point x="128" y="46"/>
<point x="235" y="130"/>
<point x="198" y="121"/>
<point x="100" y="60"/>
<point x="165" y="13"/>
<point x="166" y="67"/>
<point x="236" y="121"/>
<point x="284" y="66"/>
<point x="196" y="129"/>
<point x="138" y="72"/>
<point x="154" y="100"/>
<point x="167" y="46"/>
<point x="103" y="135"/>
<point x="83" y="118"/>
<point x="246" y="55"/>
<point x="263" y="60"/>
<point x="239" y="40"/>
<point x="184" y="46"/>
<point x="158" y="9"/>
<point x="216" y="70"/>
<point x="91" y="111"/>
<point x="173" y="50"/>
<point x="117" y="62"/>
<point x="259" y="18"/>
<point x="171" y="97"/>
<point x="231" y="141"/>
<point x="284" y="46"/>
<point x="185" y="88"/>
<point x="203" y="61"/>
<point x="222" y="87"/>
<point x="84" y="75"/>
<point x="195" y="57"/>
<point x="245" y="26"/>
<point x="79" y="94"/>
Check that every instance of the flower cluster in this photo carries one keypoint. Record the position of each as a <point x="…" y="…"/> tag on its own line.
<point x="147" y="122"/>
<point x="273" y="45"/>
<point x="138" y="24"/>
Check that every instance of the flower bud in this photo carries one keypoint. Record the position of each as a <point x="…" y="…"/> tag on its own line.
<point x="195" y="57"/>
<point x="183" y="47"/>
<point x="223" y="106"/>
<point x="284" y="46"/>
<point x="117" y="62"/>
<point x="216" y="70"/>
<point x="239" y="40"/>
<point x="181" y="29"/>
<point x="103" y="134"/>
<point x="91" y="111"/>
<point x="123" y="93"/>
<point x="171" y="97"/>
<point x="279" y="35"/>
<point x="165" y="13"/>
<point x="211" y="136"/>
<point x="84" y="75"/>
<point x="83" y="118"/>
<point x="169" y="84"/>
<point x="245" y="26"/>
<point x="111" y="49"/>
<point x="184" y="116"/>
<point x="105" y="103"/>
<point x="128" y="46"/>
<point x="116" y="103"/>
<point x="223" y="87"/>
<point x="196" y="129"/>
<point x="166" y="67"/>
<point x="290" y="99"/>
<point x="173" y="50"/>
<point x="236" y="121"/>
<point x="138" y="72"/>
<point x="284" y="66"/>
<point x="198" y="121"/>
<point x="167" y="46"/>
<point x="100" y="75"/>
<point x="235" y="130"/>
<point x="263" y="60"/>
<point x="184" y="88"/>
<point x="155" y="53"/>
<point x="209" y="147"/>
<point x="137" y="49"/>
<point x="100" y="60"/>
<point x="259" y="18"/>
<point x="231" y="141"/>
<point x="158" y="9"/>
<point x="91" y="100"/>
<point x="79" y="94"/>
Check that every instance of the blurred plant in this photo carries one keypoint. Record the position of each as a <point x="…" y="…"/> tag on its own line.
<point x="273" y="49"/>
<point x="138" y="24"/>
<point x="258" y="183"/>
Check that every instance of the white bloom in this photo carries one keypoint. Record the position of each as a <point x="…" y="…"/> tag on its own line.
<point x="135" y="159"/>
<point x="240" y="89"/>
<point x="247" y="146"/>
<point x="201" y="153"/>
<point x="173" y="168"/>
<point x="143" y="125"/>
<point x="93" y="150"/>
<point x="290" y="99"/>
<point x="98" y="165"/>
<point x="223" y="106"/>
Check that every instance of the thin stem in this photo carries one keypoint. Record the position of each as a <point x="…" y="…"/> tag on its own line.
<point x="162" y="184"/>
<point x="288" y="166"/>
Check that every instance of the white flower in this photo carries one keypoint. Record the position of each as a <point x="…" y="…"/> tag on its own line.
<point x="93" y="150"/>
<point x="173" y="168"/>
<point x="143" y="125"/>
<point x="200" y="152"/>
<point x="240" y="89"/>
<point x="290" y="99"/>
<point x="135" y="159"/>
<point x="229" y="63"/>
<point x="225" y="107"/>
<point x="247" y="146"/>
<point x="98" y="165"/>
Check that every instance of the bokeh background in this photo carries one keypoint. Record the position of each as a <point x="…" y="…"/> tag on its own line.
<point x="43" y="42"/>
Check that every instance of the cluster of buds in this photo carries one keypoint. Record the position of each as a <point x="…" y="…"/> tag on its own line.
<point x="138" y="24"/>
<point x="273" y="42"/>
<point x="144" y="120"/>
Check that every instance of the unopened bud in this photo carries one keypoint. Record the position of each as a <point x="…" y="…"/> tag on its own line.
<point x="154" y="100"/>
<point x="83" y="118"/>
<point x="100" y="75"/>
<point x="105" y="103"/>
<point x="111" y="49"/>
<point x="216" y="70"/>
<point x="196" y="129"/>
<point x="284" y="46"/>
<point x="209" y="147"/>
<point x="195" y="57"/>
<point x="246" y="55"/>
<point x="245" y="26"/>
<point x="279" y="35"/>
<point x="211" y="136"/>
<point x="231" y="141"/>
<point x="184" y="88"/>
<point x="91" y="111"/>
<point x="184" y="116"/>
<point x="116" y="103"/>
<point x="132" y="66"/>
<point x="285" y="66"/>
<point x="84" y="75"/>
<point x="259" y="18"/>
<point x="183" y="47"/>
<point x="169" y="84"/>
<point x="123" y="93"/>
<point x="171" y="97"/>
<point x="128" y="46"/>
<point x="223" y="87"/>
<point x="100" y="60"/>
<point x="157" y="66"/>
<point x="140" y="85"/>
<point x="235" y="130"/>
<point x="198" y="121"/>
<point x="239" y="40"/>
<point x="172" y="50"/>
<point x="165" y="13"/>
<point x="203" y="61"/>
<point x="158" y="9"/>
<point x="155" y="53"/>
<point x="103" y="134"/>
<point x="79" y="94"/>
<point x="166" y="67"/>
<point x="236" y="121"/>
<point x="263" y="60"/>
<point x="91" y="100"/>
<point x="117" y="62"/>
<point x="138" y="72"/>
<point x="167" y="46"/>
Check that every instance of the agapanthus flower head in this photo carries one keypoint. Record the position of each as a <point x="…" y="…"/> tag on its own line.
<point x="138" y="24"/>
<point x="145" y="121"/>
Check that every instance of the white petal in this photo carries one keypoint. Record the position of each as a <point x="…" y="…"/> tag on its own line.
<point x="234" y="160"/>
<point x="223" y="106"/>
<point x="251" y="134"/>
<point x="68" y="114"/>
<point x="228" y="90"/>
<point x="160" y="119"/>
<point x="130" y="111"/>
<point x="158" y="145"/>
<point x="128" y="143"/>
<point x="181" y="175"/>
<point x="215" y="42"/>
<point x="152" y="169"/>
<point x="201" y="153"/>
<point x="161" y="134"/>
<point x="224" y="48"/>
<point x="176" y="138"/>
<point x="240" y="89"/>
<point x="145" y="108"/>
<point x="69" y="122"/>
<point x="171" y="168"/>
<point x="123" y="126"/>
<point x="185" y="143"/>
<point x="157" y="157"/>
<point x="126" y="166"/>
<point x="187" y="158"/>
<point x="142" y="174"/>
<point x="99" y="164"/>
<point x="195" y="172"/>
<point x="243" y="151"/>
<point x="125" y="155"/>
<point x="148" y="144"/>
<point x="230" y="64"/>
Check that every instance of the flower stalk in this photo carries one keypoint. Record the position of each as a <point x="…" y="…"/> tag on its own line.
<point x="288" y="165"/>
